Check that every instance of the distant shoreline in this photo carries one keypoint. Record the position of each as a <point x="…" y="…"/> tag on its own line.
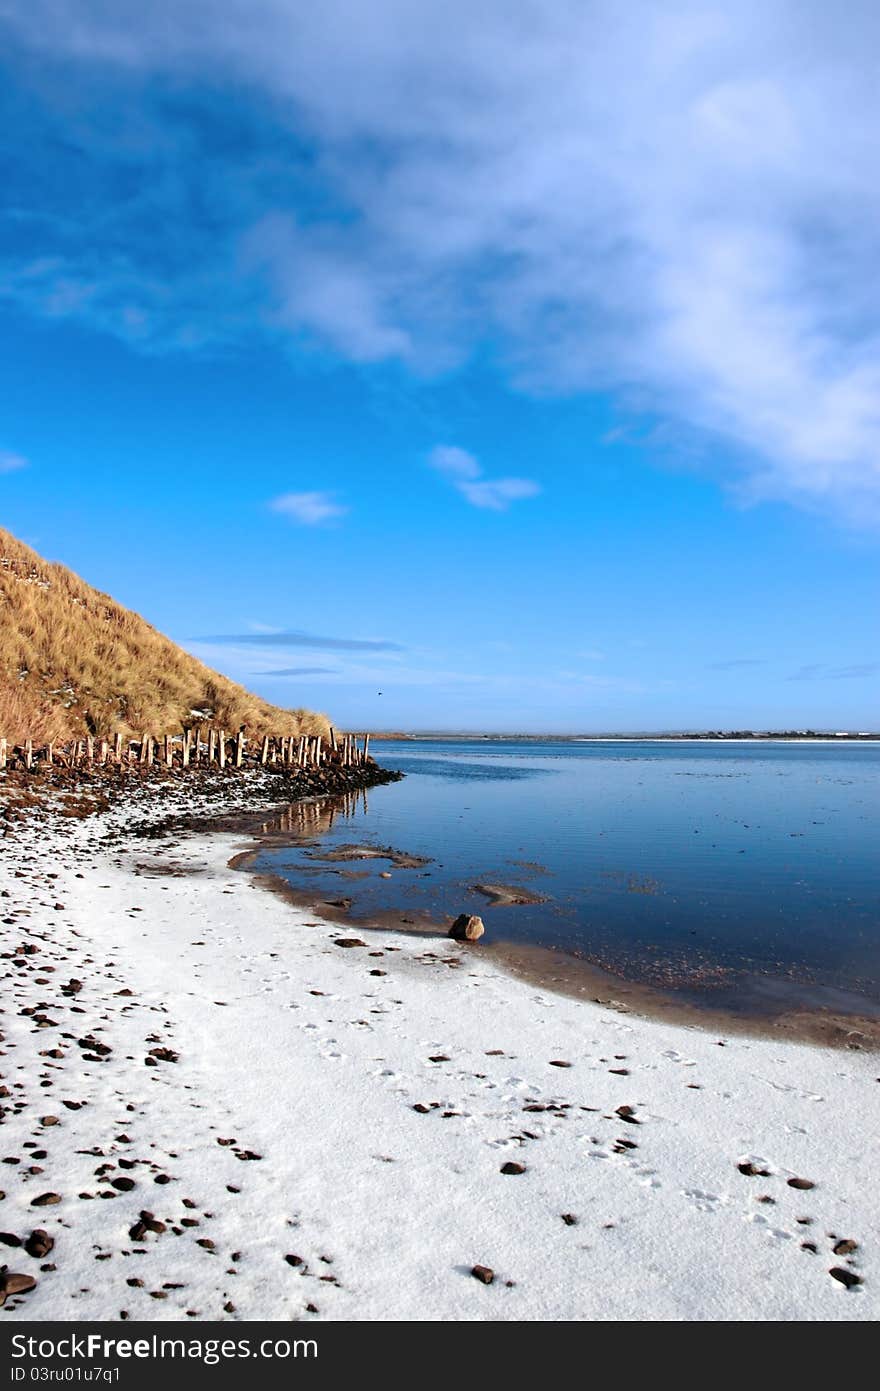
<point x="810" y="737"/>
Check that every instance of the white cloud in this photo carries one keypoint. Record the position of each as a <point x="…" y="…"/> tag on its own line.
<point x="456" y="464"/>
<point x="677" y="203"/>
<point x="309" y="509"/>
<point x="497" y="494"/>
<point x="11" y="463"/>
<point x="465" y="473"/>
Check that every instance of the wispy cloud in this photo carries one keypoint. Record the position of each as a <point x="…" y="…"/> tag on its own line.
<point x="465" y="473"/>
<point x="298" y="671"/>
<point x="11" y="463"/>
<point x="298" y="639"/>
<point x="308" y="509"/>
<point x="821" y="671"/>
<point x="732" y="663"/>
<point x="677" y="203"/>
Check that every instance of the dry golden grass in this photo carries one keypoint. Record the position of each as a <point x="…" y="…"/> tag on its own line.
<point x="73" y="662"/>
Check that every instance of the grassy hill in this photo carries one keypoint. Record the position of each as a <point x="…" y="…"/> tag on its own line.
<point x="74" y="662"/>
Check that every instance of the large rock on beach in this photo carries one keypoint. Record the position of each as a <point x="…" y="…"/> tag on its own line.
<point x="467" y="928"/>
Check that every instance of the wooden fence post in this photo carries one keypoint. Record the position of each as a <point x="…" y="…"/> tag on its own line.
<point x="29" y="754"/>
<point x="366" y="746"/>
<point x="221" y="748"/>
<point x="90" y="749"/>
<point x="332" y="739"/>
<point x="264" y="750"/>
<point x="239" y="748"/>
<point x="117" y="746"/>
<point x="2" y="753"/>
<point x="145" y="749"/>
<point x="212" y="745"/>
<point x="104" y="750"/>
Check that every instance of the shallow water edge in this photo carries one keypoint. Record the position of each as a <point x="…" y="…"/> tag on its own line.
<point x="548" y="968"/>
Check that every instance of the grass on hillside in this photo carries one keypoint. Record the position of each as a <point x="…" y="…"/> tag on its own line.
<point x="74" y="662"/>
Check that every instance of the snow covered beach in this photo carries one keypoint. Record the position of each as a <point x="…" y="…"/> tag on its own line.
<point x="215" y="1109"/>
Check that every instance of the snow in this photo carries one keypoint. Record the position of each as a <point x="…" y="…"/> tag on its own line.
<point x="295" y="1049"/>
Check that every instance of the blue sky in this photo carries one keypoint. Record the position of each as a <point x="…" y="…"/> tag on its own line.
<point x="520" y="365"/>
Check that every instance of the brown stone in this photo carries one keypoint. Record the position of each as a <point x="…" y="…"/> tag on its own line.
<point x="39" y="1243"/>
<point x="16" y="1284"/>
<point x="845" y="1248"/>
<point x="467" y="928"/>
<point x="483" y="1273"/>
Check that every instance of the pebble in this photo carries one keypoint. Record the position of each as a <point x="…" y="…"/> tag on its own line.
<point x="39" y="1243"/>
<point x="483" y="1273"/>
<point x="845" y="1248"/>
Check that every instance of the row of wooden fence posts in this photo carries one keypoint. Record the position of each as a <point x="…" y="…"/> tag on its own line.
<point x="288" y="751"/>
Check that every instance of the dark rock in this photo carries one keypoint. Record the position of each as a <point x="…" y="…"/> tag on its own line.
<point x="845" y="1248"/>
<point x="846" y="1277"/>
<point x="349" y="942"/>
<point x="467" y="928"/>
<point x="802" y="1183"/>
<point x="483" y="1273"/>
<point x="750" y="1171"/>
<point x="39" y="1243"/>
<point x="511" y="1167"/>
<point x="46" y="1200"/>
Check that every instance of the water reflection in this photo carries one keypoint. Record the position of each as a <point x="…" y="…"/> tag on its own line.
<point x="666" y="862"/>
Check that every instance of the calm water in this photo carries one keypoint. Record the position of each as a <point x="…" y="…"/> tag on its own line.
<point x="727" y="871"/>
